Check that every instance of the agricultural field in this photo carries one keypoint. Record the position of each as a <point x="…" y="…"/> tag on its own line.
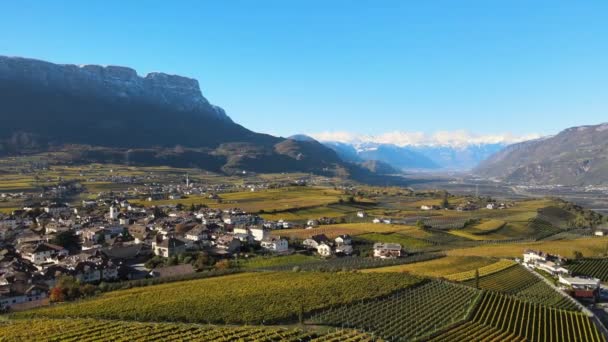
<point x="440" y="268"/>
<point x="501" y="318"/>
<point x="521" y="283"/>
<point x="333" y="230"/>
<point x="597" y="268"/>
<point x="126" y="331"/>
<point x="405" y="315"/>
<point x="482" y="271"/>
<point x="265" y="297"/>
<point x="351" y="263"/>
<point x="589" y="247"/>
<point x="408" y="243"/>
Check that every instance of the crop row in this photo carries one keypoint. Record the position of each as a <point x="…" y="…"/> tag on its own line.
<point x="597" y="268"/>
<point x="91" y="330"/>
<point x="519" y="282"/>
<point x="483" y="271"/>
<point x="407" y="314"/>
<point x="247" y="298"/>
<point x="503" y="318"/>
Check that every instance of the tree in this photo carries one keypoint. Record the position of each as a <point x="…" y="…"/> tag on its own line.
<point x="222" y="264"/>
<point x="68" y="240"/>
<point x="477" y="278"/>
<point x="445" y="204"/>
<point x="56" y="295"/>
<point x="578" y="255"/>
<point x="201" y="262"/>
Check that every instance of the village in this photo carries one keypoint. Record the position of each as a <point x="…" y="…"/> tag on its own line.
<point x="111" y="240"/>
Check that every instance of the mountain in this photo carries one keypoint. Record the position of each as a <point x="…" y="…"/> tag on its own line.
<point x="112" y="114"/>
<point x="459" y="157"/>
<point x="429" y="157"/>
<point x="378" y="167"/>
<point x="575" y="156"/>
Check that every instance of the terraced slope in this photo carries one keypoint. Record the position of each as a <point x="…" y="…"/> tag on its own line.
<point x="521" y="283"/>
<point x="405" y="315"/>
<point x="503" y="318"/>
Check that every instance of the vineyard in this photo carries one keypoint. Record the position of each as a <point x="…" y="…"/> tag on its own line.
<point x="353" y="263"/>
<point x="502" y="318"/>
<point x="440" y="268"/>
<point x="262" y="297"/>
<point x="407" y="314"/>
<point x="597" y="268"/>
<point x="522" y="284"/>
<point x="483" y="271"/>
<point x="121" y="331"/>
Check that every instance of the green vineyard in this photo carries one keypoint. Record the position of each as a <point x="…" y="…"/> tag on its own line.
<point x="503" y="318"/>
<point x="86" y="330"/>
<point x="521" y="283"/>
<point x="597" y="268"/>
<point x="405" y="315"/>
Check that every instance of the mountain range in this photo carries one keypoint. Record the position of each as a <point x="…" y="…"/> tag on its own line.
<point x="110" y="113"/>
<point x="417" y="157"/>
<point x="575" y="156"/>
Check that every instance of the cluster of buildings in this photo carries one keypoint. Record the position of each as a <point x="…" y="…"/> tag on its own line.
<point x="578" y="286"/>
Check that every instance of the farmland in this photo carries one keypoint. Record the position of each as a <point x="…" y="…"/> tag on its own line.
<point x="270" y="297"/>
<point x="587" y="246"/>
<point x="126" y="331"/>
<point x="498" y="317"/>
<point x="441" y="268"/>
<point x="406" y="315"/>
<point x="597" y="268"/>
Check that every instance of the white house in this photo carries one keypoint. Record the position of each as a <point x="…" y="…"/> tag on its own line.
<point x="586" y="283"/>
<point x="324" y="249"/>
<point x="387" y="250"/>
<point x="361" y="214"/>
<point x="343" y="240"/>
<point x="42" y="253"/>
<point x="276" y="245"/>
<point x="376" y="220"/>
<point x="531" y="257"/>
<point x="344" y="249"/>
<point x="259" y="233"/>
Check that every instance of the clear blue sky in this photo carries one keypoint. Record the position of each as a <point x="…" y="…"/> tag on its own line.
<point x="365" y="66"/>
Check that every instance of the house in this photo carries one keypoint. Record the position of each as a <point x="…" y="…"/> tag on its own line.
<point x="197" y="233"/>
<point x="376" y="220"/>
<point x="551" y="267"/>
<point x="343" y="240"/>
<point x="344" y="249"/>
<point x="429" y="207"/>
<point x="87" y="272"/>
<point x="580" y="283"/>
<point x="259" y="233"/>
<point x="312" y="223"/>
<point x="324" y="249"/>
<point x="228" y="243"/>
<point x="387" y="250"/>
<point x="601" y="232"/>
<point x="275" y="245"/>
<point x="169" y="247"/>
<point x="491" y="206"/>
<point x="361" y="214"/>
<point x="314" y="241"/>
<point x="531" y="257"/>
<point x="42" y="253"/>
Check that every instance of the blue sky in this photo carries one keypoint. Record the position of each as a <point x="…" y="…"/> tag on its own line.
<point x="363" y="67"/>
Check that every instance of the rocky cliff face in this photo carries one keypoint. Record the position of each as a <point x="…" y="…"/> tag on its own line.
<point x="112" y="82"/>
<point x="575" y="156"/>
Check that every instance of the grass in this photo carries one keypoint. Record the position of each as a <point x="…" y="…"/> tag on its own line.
<point x="441" y="268"/>
<point x="244" y="298"/>
<point x="405" y="241"/>
<point x="271" y="261"/>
